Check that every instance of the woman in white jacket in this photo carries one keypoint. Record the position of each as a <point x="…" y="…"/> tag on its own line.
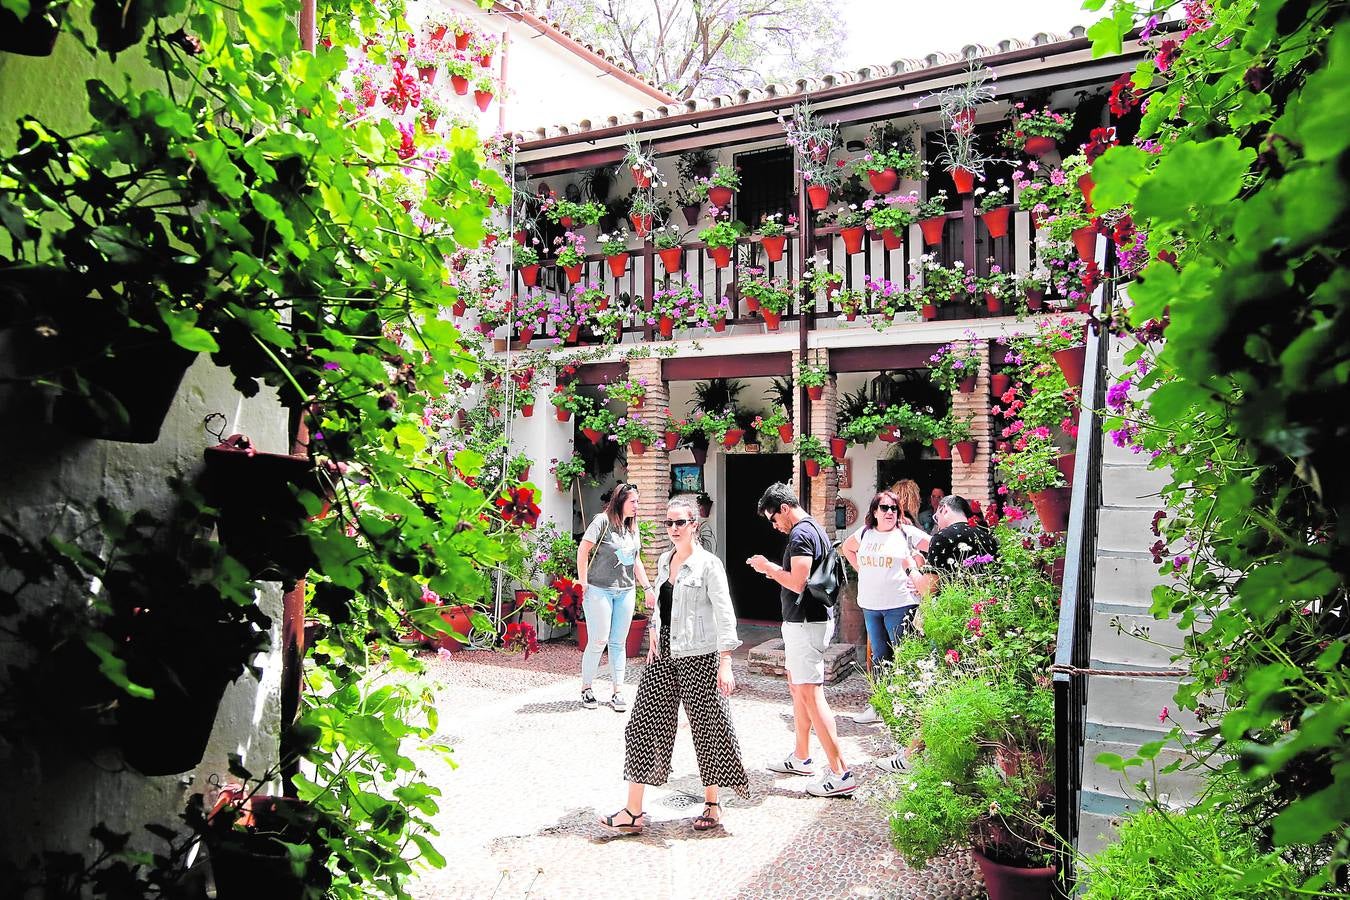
<point x="693" y="632"/>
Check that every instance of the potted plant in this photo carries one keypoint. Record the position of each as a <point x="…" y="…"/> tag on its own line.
<point x="720" y="425"/>
<point x="813" y="378"/>
<point x="1034" y="469"/>
<point x="1064" y="340"/>
<point x="778" y="419"/>
<point x="425" y="59"/>
<point x="615" y="248"/>
<point x="955" y="366"/>
<point x="932" y="216"/>
<point x="642" y="209"/>
<point x="885" y="167"/>
<point x="696" y="164"/>
<point x="721" y="238"/>
<point x="690" y="201"/>
<point x="993" y="207"/>
<point x="667" y="240"/>
<point x="630" y="391"/>
<point x="851" y="227"/>
<point x="721" y="185"/>
<point x="567" y="401"/>
<point x="674" y="305"/>
<point x="813" y="139"/>
<point x="813" y="454"/>
<point x="586" y="300"/>
<point x="571" y="254"/>
<point x="773" y="234"/>
<point x="597" y="423"/>
<point x="608" y="321"/>
<point x="640" y="164"/>
<point x="567" y="471"/>
<point x="254" y="839"/>
<point x="461" y="70"/>
<point x="771" y="295"/>
<point x="997" y="287"/>
<point x="531" y="311"/>
<point x="695" y="436"/>
<point x="851" y="303"/>
<point x="672" y="430"/>
<point x="954" y="431"/>
<point x="526" y="261"/>
<point x="823" y="280"/>
<point x="891" y="218"/>
<point x="1032" y="288"/>
<point x="858" y="426"/>
<point x="1036" y="131"/>
<point x="934" y="284"/>
<point x="567" y="213"/>
<point x="634" y="432"/>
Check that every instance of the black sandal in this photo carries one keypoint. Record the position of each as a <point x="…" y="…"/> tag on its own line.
<point x="635" y="822"/>
<point x="706" y="822"/>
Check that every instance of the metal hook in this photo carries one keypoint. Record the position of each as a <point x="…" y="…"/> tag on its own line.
<point x="220" y="434"/>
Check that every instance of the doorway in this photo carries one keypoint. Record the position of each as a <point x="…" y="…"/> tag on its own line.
<point x="747" y="533"/>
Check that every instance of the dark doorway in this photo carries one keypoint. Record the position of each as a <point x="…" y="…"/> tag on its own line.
<point x="747" y="475"/>
<point x="929" y="473"/>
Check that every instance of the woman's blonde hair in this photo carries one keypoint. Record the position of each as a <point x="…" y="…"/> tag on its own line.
<point x="685" y="502"/>
<point x="906" y="491"/>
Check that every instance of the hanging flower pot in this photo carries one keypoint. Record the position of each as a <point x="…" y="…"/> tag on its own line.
<point x="529" y="275"/>
<point x="426" y="73"/>
<point x="573" y="273"/>
<point x="460" y="84"/>
<point x="462" y="41"/>
<point x="691" y="213"/>
<point x="966" y="450"/>
<point x="1085" y="242"/>
<point x="1014" y="882"/>
<point x="640" y="177"/>
<point x="593" y="436"/>
<point x="1052" y="508"/>
<point x="637" y="448"/>
<point x="1065" y="464"/>
<point x="574" y="334"/>
<point x="964" y="119"/>
<point x="752" y="304"/>
<point x="816" y="391"/>
<point x="996" y="221"/>
<point x="853" y="238"/>
<point x="618" y="264"/>
<point x="850" y="316"/>
<point x="672" y="440"/>
<point x="933" y="229"/>
<point x="838" y="448"/>
<point x="1085" y="186"/>
<point x="604" y="303"/>
<point x="928" y="311"/>
<point x="721" y="256"/>
<point x="888" y="434"/>
<point x="993" y="302"/>
<point x="999" y="383"/>
<point x="720" y="325"/>
<point x="785" y="433"/>
<point x="666" y="326"/>
<point x="966" y="385"/>
<point x="943" y="447"/>
<point x="562" y="485"/>
<point x="484" y="60"/>
<point x="883" y="182"/>
<point x="526" y="335"/>
<point x="891" y="239"/>
<point x="771" y="318"/>
<point x="818" y="195"/>
<point x="719" y="197"/>
<point x="564" y="415"/>
<point x="637" y="401"/>
<point x="1039" y="145"/>
<point x="527" y="410"/>
<point x="642" y="225"/>
<point x="812" y="468"/>
<point x="964" y="179"/>
<point x="831" y="289"/>
<point x="773" y="247"/>
<point x="1071" y="362"/>
<point x="519" y="237"/>
<point x="732" y="437"/>
<point x="1035" y="300"/>
<point x="700" y="453"/>
<point x="672" y="258"/>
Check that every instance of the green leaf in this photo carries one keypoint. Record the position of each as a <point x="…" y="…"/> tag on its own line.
<point x="1113" y="761"/>
<point x="1307" y="819"/>
<point x="1194" y="174"/>
<point x="1118" y="174"/>
<point x="184" y="331"/>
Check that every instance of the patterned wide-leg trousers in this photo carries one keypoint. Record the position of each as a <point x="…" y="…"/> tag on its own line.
<point x="649" y="738"/>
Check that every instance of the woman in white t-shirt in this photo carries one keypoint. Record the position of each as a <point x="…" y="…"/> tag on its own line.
<point x="883" y="553"/>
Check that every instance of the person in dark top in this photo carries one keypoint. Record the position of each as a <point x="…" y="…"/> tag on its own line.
<point x="957" y="546"/>
<point x="808" y="626"/>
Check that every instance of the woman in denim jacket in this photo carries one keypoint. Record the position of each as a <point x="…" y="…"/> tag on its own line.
<point x="693" y="632"/>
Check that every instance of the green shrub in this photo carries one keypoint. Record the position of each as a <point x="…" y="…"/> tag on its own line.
<point x="959" y="720"/>
<point x="929" y="817"/>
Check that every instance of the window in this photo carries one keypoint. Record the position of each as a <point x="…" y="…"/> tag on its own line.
<point x="766" y="184"/>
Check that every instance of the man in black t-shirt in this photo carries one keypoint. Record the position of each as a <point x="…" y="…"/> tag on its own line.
<point x="808" y="626"/>
<point x="957" y="546"/>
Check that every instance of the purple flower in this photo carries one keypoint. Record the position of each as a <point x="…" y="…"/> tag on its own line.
<point x="1118" y="394"/>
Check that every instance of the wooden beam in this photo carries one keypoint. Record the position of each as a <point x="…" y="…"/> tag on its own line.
<point x="748" y="365"/>
<point x="725" y="136"/>
<point x="600" y="373"/>
<point x="877" y="359"/>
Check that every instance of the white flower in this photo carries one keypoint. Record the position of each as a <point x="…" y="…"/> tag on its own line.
<point x="946" y="784"/>
<point x="910" y="816"/>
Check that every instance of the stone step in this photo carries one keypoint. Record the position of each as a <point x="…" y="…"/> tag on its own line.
<point x="1125" y="528"/>
<point x="1134" y="702"/>
<point x="768" y="659"/>
<point x="1126" y="579"/>
<point x="1095" y="831"/>
<point x="1118" y="639"/>
<point x="1179" y="787"/>
<point x="1133" y="486"/>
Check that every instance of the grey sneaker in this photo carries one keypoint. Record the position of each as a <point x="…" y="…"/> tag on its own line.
<point x="832" y="785"/>
<point x="588" y="699"/>
<point x="618" y="703"/>
<point x="897" y="763"/>
<point x="867" y="717"/>
<point x="793" y="766"/>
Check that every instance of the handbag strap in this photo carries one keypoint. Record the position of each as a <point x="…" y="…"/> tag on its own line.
<point x="596" y="549"/>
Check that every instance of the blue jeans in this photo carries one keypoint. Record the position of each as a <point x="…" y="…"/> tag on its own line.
<point x="608" y="614"/>
<point x="884" y="628"/>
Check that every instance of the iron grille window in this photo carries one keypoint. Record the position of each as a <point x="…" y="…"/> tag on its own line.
<point x="766" y="184"/>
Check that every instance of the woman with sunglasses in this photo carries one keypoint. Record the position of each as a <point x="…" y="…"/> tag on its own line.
<point x="608" y="563"/>
<point x="693" y="631"/>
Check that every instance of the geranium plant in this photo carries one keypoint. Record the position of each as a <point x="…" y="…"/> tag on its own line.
<point x="571" y="249"/>
<point x="565" y="397"/>
<point x="772" y="225"/>
<point x="722" y="233"/>
<point x="667" y="237"/>
<point x="1027" y="123"/>
<point x="523" y="256"/>
<point x="903" y="160"/>
<point x="634" y="428"/>
<point x="615" y="243"/>
<point x="894" y="214"/>
<point x="587" y="213"/>
<point x="990" y="198"/>
<point x="1032" y="468"/>
<point x="774" y="294"/>
<point x="933" y="205"/>
<point x="630" y="391"/>
<point x="811" y="449"/>
<point x="953" y="363"/>
<point x="680" y="303"/>
<point x="810" y="375"/>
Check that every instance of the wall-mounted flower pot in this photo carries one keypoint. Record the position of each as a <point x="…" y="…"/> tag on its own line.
<point x="593" y="436"/>
<point x="752" y="304"/>
<point x="427" y="74"/>
<point x="785" y="433"/>
<point x="888" y="434"/>
<point x="732" y="437"/>
<point x="1085" y="186"/>
<point x="853" y="239"/>
<point x="483" y="99"/>
<point x="719" y="197"/>
<point x="1071" y="362"/>
<point x="573" y="273"/>
<point x="966" y="450"/>
<point x="818" y="196"/>
<point x="943" y="447"/>
<point x="928" y="311"/>
<point x="1065" y="464"/>
<point x="527" y="410"/>
<point x="883" y="182"/>
<point x="640" y="177"/>
<point x="816" y="392"/>
<point x="526" y="335"/>
<point x="1039" y="145"/>
<point x="672" y="258"/>
<point x="838" y="448"/>
<point x="168" y="734"/>
<point x="771" y="318"/>
<point x="691" y="213"/>
<point x="720" y="325"/>
<point x="999" y="383"/>
<point x="618" y="264"/>
<point x="996" y="221"/>
<point x="1035" y="300"/>
<point x="773" y="246"/>
<point x="932" y="229"/>
<point x="1052" y="508"/>
<point x="993" y="302"/>
<point x="964" y="179"/>
<point x="1085" y="242"/>
<point x="637" y="448"/>
<point x="462" y="40"/>
<point x="564" y="415"/>
<point x="529" y="275"/>
<point x="665" y="326"/>
<point x="812" y="468"/>
<point x="671" y="439"/>
<point x="892" y="239"/>
<point x="966" y="385"/>
<point x="460" y="83"/>
<point x="642" y="225"/>
<point x="721" y="256"/>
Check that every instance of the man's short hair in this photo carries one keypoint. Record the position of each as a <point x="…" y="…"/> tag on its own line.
<point x="775" y="496"/>
<point x="957" y="504"/>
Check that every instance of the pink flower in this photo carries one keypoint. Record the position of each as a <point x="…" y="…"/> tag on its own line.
<point x="953" y="657"/>
<point x="1162" y="716"/>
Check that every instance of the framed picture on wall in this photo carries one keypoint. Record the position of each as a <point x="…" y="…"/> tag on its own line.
<point x="845" y="473"/>
<point x="686" y="479"/>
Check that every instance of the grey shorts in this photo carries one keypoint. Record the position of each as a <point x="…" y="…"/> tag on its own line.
<point x="804" y="645"/>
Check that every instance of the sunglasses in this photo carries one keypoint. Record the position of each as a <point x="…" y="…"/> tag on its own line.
<point x="677" y="523"/>
<point x="886" y="507"/>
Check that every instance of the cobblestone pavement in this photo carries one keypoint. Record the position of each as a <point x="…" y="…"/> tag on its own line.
<point x="534" y="770"/>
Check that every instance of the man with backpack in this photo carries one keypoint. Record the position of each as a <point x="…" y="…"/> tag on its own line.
<point x="808" y="587"/>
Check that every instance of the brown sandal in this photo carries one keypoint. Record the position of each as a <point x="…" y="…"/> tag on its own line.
<point x="635" y="822"/>
<point x="706" y="822"/>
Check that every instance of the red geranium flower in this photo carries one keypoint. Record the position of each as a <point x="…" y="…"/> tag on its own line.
<point x="521" y="636"/>
<point x="1123" y="98"/>
<point x="518" y="507"/>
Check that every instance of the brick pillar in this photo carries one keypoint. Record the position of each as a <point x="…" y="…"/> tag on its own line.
<point x="651" y="470"/>
<point x="825" y="486"/>
<point x="975" y="481"/>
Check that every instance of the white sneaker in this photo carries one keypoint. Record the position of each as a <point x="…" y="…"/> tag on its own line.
<point x="832" y="785"/>
<point x="897" y="763"/>
<point x="868" y="716"/>
<point x="793" y="766"/>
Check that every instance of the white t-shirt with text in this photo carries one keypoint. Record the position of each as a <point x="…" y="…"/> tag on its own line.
<point x="882" y="582"/>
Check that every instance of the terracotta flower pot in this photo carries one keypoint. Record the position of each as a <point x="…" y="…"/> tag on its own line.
<point x="459" y="309"/>
<point x="785" y="433"/>
<point x="1012" y="882"/>
<point x="672" y="258"/>
<point x="818" y="195"/>
<point x="1085" y="242"/>
<point x="529" y="275"/>
<point x="1035" y="300"/>
<point x="928" y="311"/>
<point x="883" y="182"/>
<point x="526" y="335"/>
<point x="853" y="239"/>
<point x="1071" y="363"/>
<point x="1065" y="464"/>
<point x="812" y="468"/>
<point x="519" y="237"/>
<point x="966" y="450"/>
<point x="573" y="273"/>
<point x="771" y="318"/>
<point x="933" y="229"/>
<point x="460" y="84"/>
<point x="720" y="197"/>
<point x="888" y="434"/>
<point x="593" y="436"/>
<point x="618" y="264"/>
<point x="700" y="455"/>
<point x="642" y="225"/>
<point x="640" y="177"/>
<point x="966" y="385"/>
<point x="1039" y="145"/>
<point x="637" y="448"/>
<point x="564" y="415"/>
<point x="752" y="304"/>
<point x="999" y="383"/>
<point x="1085" y="186"/>
<point x="943" y="448"/>
<point x="527" y="410"/>
<point x="773" y="247"/>
<point x="891" y="239"/>
<point x="462" y="41"/>
<point x="484" y="60"/>
<point x="816" y="391"/>
<point x="691" y="213"/>
<point x="721" y="256"/>
<point x="574" y="334"/>
<point x="732" y="437"/>
<point x="483" y="99"/>
<point x="1052" y="508"/>
<point x="720" y="325"/>
<point x="426" y="73"/>
<point x="672" y="439"/>
<point x="996" y="221"/>
<point x="964" y="179"/>
<point x="838" y="448"/>
<point x="666" y="326"/>
<point x="993" y="302"/>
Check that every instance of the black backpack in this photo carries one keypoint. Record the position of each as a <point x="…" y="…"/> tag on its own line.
<point x="828" y="577"/>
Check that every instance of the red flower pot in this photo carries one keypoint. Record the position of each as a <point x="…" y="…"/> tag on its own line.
<point x="943" y="448"/>
<point x="966" y="385"/>
<point x="564" y="415"/>
<point x="618" y="264"/>
<point x="831" y="289"/>
<point x="426" y="73"/>
<point x="565" y="221"/>
<point x="1071" y="363"/>
<point x="526" y="335"/>
<point x="812" y="468"/>
<point x="785" y="433"/>
<point x="460" y="84"/>
<point x="666" y="326"/>
<point x="838" y="448"/>
<point x="720" y="325"/>
<point x="891" y="240"/>
<point x="672" y="440"/>
<point x="1085" y="242"/>
<point x="459" y="309"/>
<point x="719" y="196"/>
<point x="485" y="60"/>
<point x="594" y="436"/>
<point x="672" y="258"/>
<point x="573" y="273"/>
<point x="966" y="450"/>
<point x="1013" y="882"/>
<point x="527" y="410"/>
<point x="818" y="195"/>
<point x="574" y="334"/>
<point x="999" y="383"/>
<point x="483" y="99"/>
<point x="529" y="275"/>
<point x="1085" y="186"/>
<point x="933" y="229"/>
<point x="640" y="178"/>
<point x="525" y="476"/>
<point x="438" y="34"/>
<point x="888" y="434"/>
<point x="964" y="120"/>
<point x="642" y="225"/>
<point x="732" y="437"/>
<point x="996" y="221"/>
<point x="964" y="179"/>
<point x="771" y="318"/>
<point x="1038" y="145"/>
<point x="637" y="448"/>
<point x="721" y="256"/>
<point x="1065" y="464"/>
<point x="773" y="247"/>
<point x="853" y="238"/>
<point x="1035" y="300"/>
<point x="752" y="304"/>
<point x="519" y="237"/>
<point x="462" y="41"/>
<point x="928" y="311"/>
<point x="1052" y="508"/>
<point x="883" y="182"/>
<point x="993" y="302"/>
<point x="816" y="391"/>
